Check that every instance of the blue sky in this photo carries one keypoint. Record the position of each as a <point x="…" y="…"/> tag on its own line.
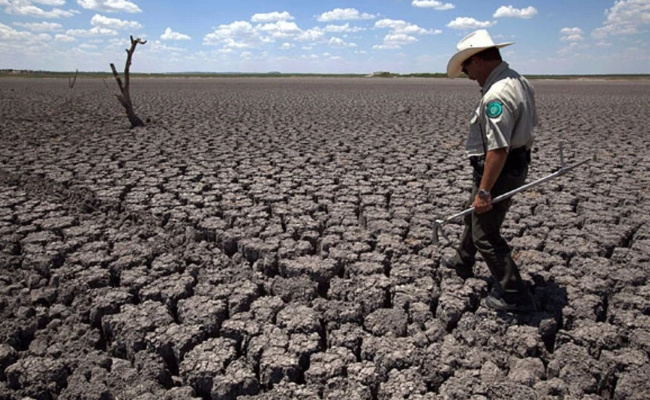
<point x="356" y="36"/>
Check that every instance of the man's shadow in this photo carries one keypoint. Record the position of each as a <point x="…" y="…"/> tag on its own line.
<point x="550" y="299"/>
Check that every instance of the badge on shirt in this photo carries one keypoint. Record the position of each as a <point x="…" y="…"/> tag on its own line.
<point x="494" y="109"/>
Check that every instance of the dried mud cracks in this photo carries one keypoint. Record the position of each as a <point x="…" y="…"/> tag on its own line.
<point x="271" y="239"/>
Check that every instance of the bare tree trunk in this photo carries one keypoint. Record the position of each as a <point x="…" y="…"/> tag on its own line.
<point x="71" y="81"/>
<point x="125" y="97"/>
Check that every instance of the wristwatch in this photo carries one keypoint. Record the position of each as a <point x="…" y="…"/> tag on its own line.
<point x="484" y="194"/>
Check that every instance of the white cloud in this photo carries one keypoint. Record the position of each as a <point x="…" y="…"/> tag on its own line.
<point x="395" y="41"/>
<point x="272" y="16"/>
<point x="339" y="14"/>
<point x="110" y="5"/>
<point x="338" y="42"/>
<point x="157" y="46"/>
<point x="237" y="34"/>
<point x="25" y="38"/>
<point x="280" y="29"/>
<point x="40" y="26"/>
<point x="310" y="35"/>
<point x="464" y="23"/>
<point x="399" y="38"/>
<point x="571" y="34"/>
<point x="232" y="44"/>
<point x="624" y="18"/>
<point x="343" y="28"/>
<point x="171" y="35"/>
<point x="9" y="33"/>
<point x="53" y="3"/>
<point x="103" y="26"/>
<point x="436" y="5"/>
<point x="511" y="12"/>
<point x="64" y="38"/>
<point x="571" y="31"/>
<point x="27" y="9"/>
<point x="95" y="31"/>
<point x="87" y="46"/>
<point x="113" y="23"/>
<point x="401" y="33"/>
<point x="242" y="34"/>
<point x="399" y="26"/>
<point x="570" y="49"/>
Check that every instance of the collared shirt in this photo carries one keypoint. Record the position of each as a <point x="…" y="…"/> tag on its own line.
<point x="505" y="115"/>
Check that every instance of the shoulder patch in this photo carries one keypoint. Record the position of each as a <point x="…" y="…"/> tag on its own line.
<point x="494" y="109"/>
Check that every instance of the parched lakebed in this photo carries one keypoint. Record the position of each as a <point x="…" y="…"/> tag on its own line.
<point x="271" y="238"/>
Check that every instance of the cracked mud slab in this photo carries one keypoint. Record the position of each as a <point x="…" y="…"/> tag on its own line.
<point x="271" y="239"/>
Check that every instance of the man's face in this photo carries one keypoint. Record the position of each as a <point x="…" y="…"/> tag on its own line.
<point x="469" y="68"/>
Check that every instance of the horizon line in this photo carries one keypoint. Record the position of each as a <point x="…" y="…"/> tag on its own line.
<point x="378" y="74"/>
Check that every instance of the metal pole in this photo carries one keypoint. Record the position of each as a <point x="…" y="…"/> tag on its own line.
<point x="437" y="224"/>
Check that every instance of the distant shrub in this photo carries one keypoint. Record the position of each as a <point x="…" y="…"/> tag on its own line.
<point x="382" y="74"/>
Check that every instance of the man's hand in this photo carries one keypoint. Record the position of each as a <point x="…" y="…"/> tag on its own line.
<point x="481" y="204"/>
<point x="494" y="162"/>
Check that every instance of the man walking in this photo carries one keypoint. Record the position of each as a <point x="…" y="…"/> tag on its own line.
<point x="498" y="146"/>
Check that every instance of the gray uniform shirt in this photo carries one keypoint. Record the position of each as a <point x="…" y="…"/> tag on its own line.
<point x="505" y="115"/>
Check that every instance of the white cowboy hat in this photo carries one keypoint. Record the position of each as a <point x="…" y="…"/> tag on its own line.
<point x="471" y="44"/>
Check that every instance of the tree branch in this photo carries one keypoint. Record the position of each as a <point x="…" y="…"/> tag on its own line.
<point x="117" y="78"/>
<point x="125" y="97"/>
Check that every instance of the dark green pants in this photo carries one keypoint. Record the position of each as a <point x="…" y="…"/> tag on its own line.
<point x="482" y="233"/>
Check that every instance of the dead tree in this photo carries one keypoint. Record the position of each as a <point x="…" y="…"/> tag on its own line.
<point x="125" y="97"/>
<point x="71" y="81"/>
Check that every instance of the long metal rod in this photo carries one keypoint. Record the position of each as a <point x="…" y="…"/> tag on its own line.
<point x="437" y="225"/>
<point x="523" y="188"/>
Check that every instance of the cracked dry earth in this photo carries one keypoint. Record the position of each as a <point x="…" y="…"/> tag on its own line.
<point x="271" y="239"/>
